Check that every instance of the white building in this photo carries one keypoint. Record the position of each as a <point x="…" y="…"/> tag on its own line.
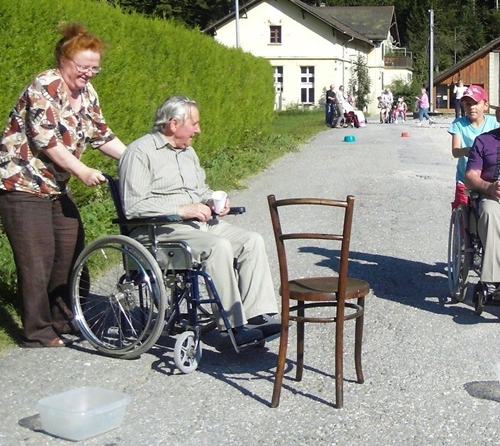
<point x="312" y="47"/>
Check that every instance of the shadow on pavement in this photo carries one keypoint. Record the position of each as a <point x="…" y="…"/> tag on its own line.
<point x="417" y="284"/>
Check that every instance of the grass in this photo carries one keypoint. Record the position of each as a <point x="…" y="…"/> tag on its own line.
<point x="289" y="130"/>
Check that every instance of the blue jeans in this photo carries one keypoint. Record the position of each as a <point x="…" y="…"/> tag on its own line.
<point x="423" y="113"/>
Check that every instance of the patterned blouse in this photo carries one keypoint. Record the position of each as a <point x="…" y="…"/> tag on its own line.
<point x="41" y="119"/>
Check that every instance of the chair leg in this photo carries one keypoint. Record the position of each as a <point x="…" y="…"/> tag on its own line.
<point x="280" y="366"/>
<point x="300" y="342"/>
<point x="339" y="361"/>
<point x="358" y="341"/>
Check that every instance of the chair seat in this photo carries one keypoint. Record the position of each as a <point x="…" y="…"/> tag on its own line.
<point x="325" y="288"/>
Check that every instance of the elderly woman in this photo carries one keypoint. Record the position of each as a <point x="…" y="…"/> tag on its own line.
<point x="56" y="116"/>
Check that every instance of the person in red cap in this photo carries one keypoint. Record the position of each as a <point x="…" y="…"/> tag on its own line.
<point x="464" y="131"/>
<point x="482" y="175"/>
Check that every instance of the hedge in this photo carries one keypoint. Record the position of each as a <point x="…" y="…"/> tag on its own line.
<point x="146" y="60"/>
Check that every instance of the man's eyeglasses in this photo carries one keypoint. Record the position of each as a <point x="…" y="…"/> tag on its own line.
<point x="81" y="69"/>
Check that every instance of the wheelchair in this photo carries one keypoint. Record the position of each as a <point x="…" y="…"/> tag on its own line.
<point x="465" y="254"/>
<point x="127" y="294"/>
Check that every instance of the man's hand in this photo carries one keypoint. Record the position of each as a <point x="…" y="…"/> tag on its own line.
<point x="225" y="209"/>
<point x="494" y="189"/>
<point x="197" y="211"/>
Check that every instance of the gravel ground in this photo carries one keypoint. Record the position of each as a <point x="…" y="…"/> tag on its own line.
<point x="428" y="362"/>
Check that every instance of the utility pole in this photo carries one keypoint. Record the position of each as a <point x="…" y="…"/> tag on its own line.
<point x="431" y="60"/>
<point x="237" y="12"/>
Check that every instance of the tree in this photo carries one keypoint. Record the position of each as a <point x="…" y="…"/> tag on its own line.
<point x="194" y="14"/>
<point x="360" y="82"/>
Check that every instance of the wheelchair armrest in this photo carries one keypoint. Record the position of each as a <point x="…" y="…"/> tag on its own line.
<point x="161" y="219"/>
<point x="474" y="194"/>
<point x="236" y="210"/>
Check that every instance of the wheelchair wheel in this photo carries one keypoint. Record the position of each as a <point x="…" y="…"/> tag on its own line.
<point x="479" y="298"/>
<point x="118" y="296"/>
<point x="187" y="352"/>
<point x="459" y="254"/>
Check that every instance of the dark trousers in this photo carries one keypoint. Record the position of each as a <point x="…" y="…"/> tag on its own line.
<point x="329" y="113"/>
<point x="46" y="237"/>
<point x="459" y="108"/>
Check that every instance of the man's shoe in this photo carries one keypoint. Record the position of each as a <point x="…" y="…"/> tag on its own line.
<point x="268" y="324"/>
<point x="493" y="290"/>
<point x="242" y="335"/>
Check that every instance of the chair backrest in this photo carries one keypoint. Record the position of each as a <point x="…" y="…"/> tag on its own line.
<point x="342" y="236"/>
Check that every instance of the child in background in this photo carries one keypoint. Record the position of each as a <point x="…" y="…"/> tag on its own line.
<point x="401" y="110"/>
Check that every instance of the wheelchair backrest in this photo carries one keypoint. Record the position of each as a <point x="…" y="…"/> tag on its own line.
<point x="169" y="255"/>
<point x="114" y="190"/>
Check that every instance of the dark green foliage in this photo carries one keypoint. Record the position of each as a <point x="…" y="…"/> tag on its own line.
<point x="198" y="13"/>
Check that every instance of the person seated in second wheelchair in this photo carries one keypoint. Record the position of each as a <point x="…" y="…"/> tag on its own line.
<point x="160" y="174"/>
<point x="384" y="110"/>
<point x="482" y="175"/>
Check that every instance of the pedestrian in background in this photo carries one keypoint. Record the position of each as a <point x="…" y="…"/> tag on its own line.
<point x="423" y="107"/>
<point x="459" y="91"/>
<point x="331" y="106"/>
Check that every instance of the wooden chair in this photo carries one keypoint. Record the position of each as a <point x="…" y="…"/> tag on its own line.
<point x="314" y="292"/>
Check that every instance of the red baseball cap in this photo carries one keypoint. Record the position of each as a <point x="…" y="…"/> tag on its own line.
<point x="476" y="93"/>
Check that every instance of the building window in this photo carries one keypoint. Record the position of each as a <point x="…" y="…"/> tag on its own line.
<point x="307" y="85"/>
<point x="278" y="79"/>
<point x="275" y="34"/>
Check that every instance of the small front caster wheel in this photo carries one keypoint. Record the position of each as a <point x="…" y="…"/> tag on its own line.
<point x="187" y="352"/>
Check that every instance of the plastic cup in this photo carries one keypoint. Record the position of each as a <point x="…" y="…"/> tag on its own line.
<point x="219" y="199"/>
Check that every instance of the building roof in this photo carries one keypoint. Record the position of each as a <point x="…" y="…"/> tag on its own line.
<point x="467" y="60"/>
<point x="373" y="22"/>
<point x="368" y="24"/>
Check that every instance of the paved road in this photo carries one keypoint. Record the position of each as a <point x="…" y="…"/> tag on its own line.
<point x="427" y="362"/>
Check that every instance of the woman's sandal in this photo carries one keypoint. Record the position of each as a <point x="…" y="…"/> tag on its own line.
<point x="59" y="342"/>
<point x="56" y="342"/>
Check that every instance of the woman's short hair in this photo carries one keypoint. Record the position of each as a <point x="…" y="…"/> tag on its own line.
<point x="76" y="38"/>
<point x="174" y="107"/>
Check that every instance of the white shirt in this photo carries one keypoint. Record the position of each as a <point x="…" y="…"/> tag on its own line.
<point x="459" y="91"/>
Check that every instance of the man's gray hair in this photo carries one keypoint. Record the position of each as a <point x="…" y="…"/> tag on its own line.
<point x="174" y="107"/>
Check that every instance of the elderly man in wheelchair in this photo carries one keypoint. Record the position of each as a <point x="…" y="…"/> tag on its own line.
<point x="129" y="289"/>
<point x="482" y="177"/>
<point x="160" y="174"/>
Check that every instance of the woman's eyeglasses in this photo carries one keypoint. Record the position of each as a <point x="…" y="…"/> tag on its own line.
<point x="81" y="69"/>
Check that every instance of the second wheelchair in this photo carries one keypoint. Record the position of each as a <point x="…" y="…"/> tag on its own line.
<point x="465" y="254"/>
